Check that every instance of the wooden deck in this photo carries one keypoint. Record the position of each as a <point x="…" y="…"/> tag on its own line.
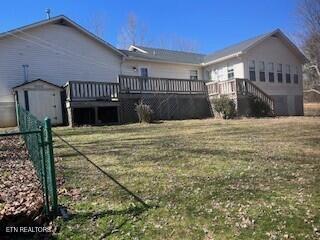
<point x="105" y="94"/>
<point x="235" y="88"/>
<point x="88" y="91"/>
<point x="134" y="84"/>
<point x="91" y="91"/>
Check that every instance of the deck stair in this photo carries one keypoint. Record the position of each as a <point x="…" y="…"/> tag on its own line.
<point x="237" y="88"/>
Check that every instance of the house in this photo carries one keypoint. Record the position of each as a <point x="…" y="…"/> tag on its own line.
<point x="59" y="56"/>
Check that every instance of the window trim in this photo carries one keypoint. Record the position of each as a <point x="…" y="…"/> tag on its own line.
<point x="252" y="71"/>
<point x="194" y="77"/>
<point x="288" y="73"/>
<point x="279" y="72"/>
<point x="140" y="71"/>
<point x="262" y="71"/>
<point x="271" y="72"/>
<point x="230" y="72"/>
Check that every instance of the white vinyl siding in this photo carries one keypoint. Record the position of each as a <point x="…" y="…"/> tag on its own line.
<point x="56" y="54"/>
<point x="162" y="70"/>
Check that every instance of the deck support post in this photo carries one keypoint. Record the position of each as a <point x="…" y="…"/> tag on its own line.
<point x="70" y="116"/>
<point x="96" y="119"/>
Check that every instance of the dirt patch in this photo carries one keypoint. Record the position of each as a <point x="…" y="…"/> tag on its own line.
<point x="21" y="201"/>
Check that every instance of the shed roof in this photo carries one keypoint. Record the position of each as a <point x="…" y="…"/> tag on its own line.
<point x="34" y="82"/>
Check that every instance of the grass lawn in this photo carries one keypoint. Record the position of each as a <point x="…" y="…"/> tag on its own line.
<point x="203" y="179"/>
<point x="312" y="109"/>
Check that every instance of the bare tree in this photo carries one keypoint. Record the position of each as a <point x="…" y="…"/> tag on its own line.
<point x="136" y="33"/>
<point x="133" y="33"/>
<point x="309" y="17"/>
<point x="177" y="43"/>
<point x="97" y="24"/>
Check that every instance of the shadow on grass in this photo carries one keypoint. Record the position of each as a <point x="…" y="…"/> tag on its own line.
<point x="136" y="197"/>
<point x="94" y="216"/>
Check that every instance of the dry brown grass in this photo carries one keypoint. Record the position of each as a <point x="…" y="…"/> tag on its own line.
<point x="312" y="109"/>
<point x="205" y="179"/>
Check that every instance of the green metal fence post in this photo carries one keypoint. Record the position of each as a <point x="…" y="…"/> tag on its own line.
<point x="44" y="170"/>
<point x="51" y="168"/>
<point x="17" y="113"/>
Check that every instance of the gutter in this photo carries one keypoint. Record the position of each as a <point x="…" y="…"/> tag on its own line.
<point x="162" y="61"/>
<point x="222" y="59"/>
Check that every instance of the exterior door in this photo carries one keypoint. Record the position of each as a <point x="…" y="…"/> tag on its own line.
<point x="46" y="103"/>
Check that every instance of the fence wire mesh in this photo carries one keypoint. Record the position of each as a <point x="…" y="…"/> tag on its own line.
<point x="38" y="139"/>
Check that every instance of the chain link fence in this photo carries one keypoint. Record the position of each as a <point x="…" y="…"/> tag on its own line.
<point x="37" y="136"/>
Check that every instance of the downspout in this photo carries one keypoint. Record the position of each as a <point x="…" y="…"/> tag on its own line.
<point x="25" y="72"/>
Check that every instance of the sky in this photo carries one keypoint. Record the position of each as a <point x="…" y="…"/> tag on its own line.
<point x="209" y="24"/>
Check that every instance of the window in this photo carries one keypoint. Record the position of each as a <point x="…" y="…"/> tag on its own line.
<point x="144" y="72"/>
<point x="209" y="75"/>
<point x="230" y="72"/>
<point x="252" y="70"/>
<point x="194" y="74"/>
<point x="279" y="72"/>
<point x="262" y="75"/>
<point x="288" y="76"/>
<point x="295" y="76"/>
<point x="214" y="75"/>
<point x="271" y="72"/>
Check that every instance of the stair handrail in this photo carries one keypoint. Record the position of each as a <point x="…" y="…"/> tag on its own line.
<point x="263" y="95"/>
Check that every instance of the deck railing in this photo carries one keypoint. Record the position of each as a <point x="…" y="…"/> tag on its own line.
<point x="239" y="87"/>
<point x="136" y="84"/>
<point x="78" y="90"/>
<point x="224" y="88"/>
<point x="245" y="87"/>
<point x="84" y="91"/>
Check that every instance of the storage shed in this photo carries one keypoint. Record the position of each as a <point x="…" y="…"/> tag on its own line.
<point x="42" y="99"/>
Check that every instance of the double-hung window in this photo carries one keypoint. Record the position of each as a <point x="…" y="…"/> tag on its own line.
<point x="271" y="72"/>
<point x="296" y="75"/>
<point x="230" y="72"/>
<point x="252" y="70"/>
<point x="288" y="74"/>
<point x="279" y="72"/>
<point x="194" y="74"/>
<point x="262" y="75"/>
<point x="144" y="72"/>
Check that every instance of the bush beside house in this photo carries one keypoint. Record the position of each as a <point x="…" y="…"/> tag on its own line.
<point x="144" y="112"/>
<point x="258" y="108"/>
<point x="224" y="107"/>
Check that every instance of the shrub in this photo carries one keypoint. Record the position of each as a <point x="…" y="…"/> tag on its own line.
<point x="258" y="107"/>
<point x="144" y="112"/>
<point x="225" y="107"/>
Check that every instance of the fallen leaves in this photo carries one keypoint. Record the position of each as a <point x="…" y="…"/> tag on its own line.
<point x="21" y="198"/>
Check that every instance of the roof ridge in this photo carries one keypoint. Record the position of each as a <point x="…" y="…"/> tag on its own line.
<point x="167" y="49"/>
<point x="241" y="42"/>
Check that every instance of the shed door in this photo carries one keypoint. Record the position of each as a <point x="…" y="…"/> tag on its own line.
<point x="46" y="103"/>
